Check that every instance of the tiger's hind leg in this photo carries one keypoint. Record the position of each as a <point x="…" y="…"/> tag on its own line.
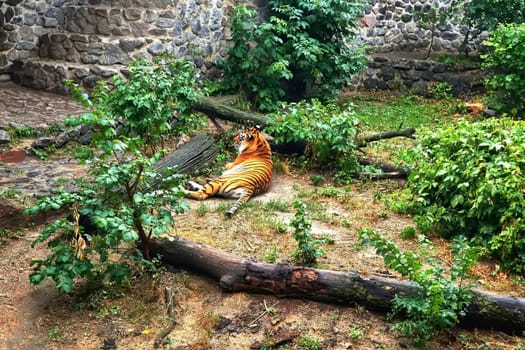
<point x="242" y="195"/>
<point x="198" y="191"/>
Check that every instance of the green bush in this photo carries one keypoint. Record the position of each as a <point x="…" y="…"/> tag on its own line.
<point x="303" y="46"/>
<point x="488" y="14"/>
<point x="308" y="248"/>
<point x="442" y="297"/>
<point x="467" y="179"/>
<point x="128" y="118"/>
<point x="143" y="104"/>
<point x="504" y="60"/>
<point x="329" y="130"/>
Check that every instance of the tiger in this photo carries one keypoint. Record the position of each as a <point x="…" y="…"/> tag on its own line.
<point x="248" y="175"/>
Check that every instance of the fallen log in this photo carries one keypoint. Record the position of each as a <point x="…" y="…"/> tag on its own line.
<point x="191" y="156"/>
<point x="390" y="171"/>
<point x="363" y="140"/>
<point x="215" y="108"/>
<point x="235" y="274"/>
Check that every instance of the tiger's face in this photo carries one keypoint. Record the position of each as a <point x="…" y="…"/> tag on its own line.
<point x="248" y="140"/>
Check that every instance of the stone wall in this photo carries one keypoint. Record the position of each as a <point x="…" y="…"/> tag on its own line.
<point x="387" y="72"/>
<point x="392" y="25"/>
<point x="44" y="42"/>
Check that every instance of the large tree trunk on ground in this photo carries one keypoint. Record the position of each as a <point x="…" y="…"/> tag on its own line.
<point x="214" y="108"/>
<point x="235" y="274"/>
<point x="191" y="156"/>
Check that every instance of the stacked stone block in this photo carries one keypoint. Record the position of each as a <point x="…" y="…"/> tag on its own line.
<point x="393" y="25"/>
<point x="418" y="75"/>
<point x="43" y="42"/>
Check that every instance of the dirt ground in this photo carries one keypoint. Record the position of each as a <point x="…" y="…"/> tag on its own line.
<point x="208" y="318"/>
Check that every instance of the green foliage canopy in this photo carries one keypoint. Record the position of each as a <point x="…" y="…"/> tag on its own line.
<point x="504" y="60"/>
<point x="488" y="14"/>
<point x="304" y="44"/>
<point x="467" y="179"/>
<point x="127" y="118"/>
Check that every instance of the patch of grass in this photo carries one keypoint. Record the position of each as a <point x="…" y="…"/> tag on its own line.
<point x="55" y="334"/>
<point x="408" y="233"/>
<point x="10" y="193"/>
<point x="277" y="205"/>
<point x="202" y="209"/>
<point x="303" y="192"/>
<point x="330" y="191"/>
<point x="393" y="112"/>
<point x="271" y="256"/>
<point x="356" y="333"/>
<point x="309" y="342"/>
<point x="318" y="180"/>
<point x="317" y="210"/>
<point x="7" y="234"/>
<point x="263" y="221"/>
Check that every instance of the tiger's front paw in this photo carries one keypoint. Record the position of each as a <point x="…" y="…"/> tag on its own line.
<point x="194" y="186"/>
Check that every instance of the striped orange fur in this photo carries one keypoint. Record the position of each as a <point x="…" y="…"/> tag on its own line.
<point x="247" y="176"/>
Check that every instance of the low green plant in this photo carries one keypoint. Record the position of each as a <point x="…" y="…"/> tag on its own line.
<point x="330" y="135"/>
<point x="44" y="153"/>
<point x="7" y="234"/>
<point x="308" y="248"/>
<point x="202" y="210"/>
<point x="55" y="334"/>
<point x="277" y="205"/>
<point x="441" y="90"/>
<point x="441" y="297"/>
<point x="506" y="78"/>
<point x="143" y="104"/>
<point x="318" y="180"/>
<point x="309" y="342"/>
<point x="186" y="278"/>
<point x="408" y="233"/>
<point x="25" y="131"/>
<point x="330" y="191"/>
<point x="10" y="193"/>
<point x="356" y="333"/>
<point x="302" y="47"/>
<point x="468" y="179"/>
<point x="271" y="256"/>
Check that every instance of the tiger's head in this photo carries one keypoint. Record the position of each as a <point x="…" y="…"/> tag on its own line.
<point x="251" y="141"/>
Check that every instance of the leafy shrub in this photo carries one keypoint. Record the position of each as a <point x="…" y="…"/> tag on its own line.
<point x="442" y="298"/>
<point x="467" y="179"/>
<point x="308" y="248"/>
<point x="504" y="60"/>
<point x="117" y="194"/>
<point x="117" y="197"/>
<point x="303" y="45"/>
<point x="329" y="130"/>
<point x="142" y="104"/>
<point x="488" y="14"/>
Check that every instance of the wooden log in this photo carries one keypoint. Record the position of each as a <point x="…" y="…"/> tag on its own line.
<point x="191" y="156"/>
<point x="214" y="108"/>
<point x="363" y="140"/>
<point x="390" y="171"/>
<point x="234" y="274"/>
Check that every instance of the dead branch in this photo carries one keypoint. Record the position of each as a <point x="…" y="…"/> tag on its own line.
<point x="234" y="274"/>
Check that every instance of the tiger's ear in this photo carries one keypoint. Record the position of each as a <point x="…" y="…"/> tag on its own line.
<point x="258" y="127"/>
